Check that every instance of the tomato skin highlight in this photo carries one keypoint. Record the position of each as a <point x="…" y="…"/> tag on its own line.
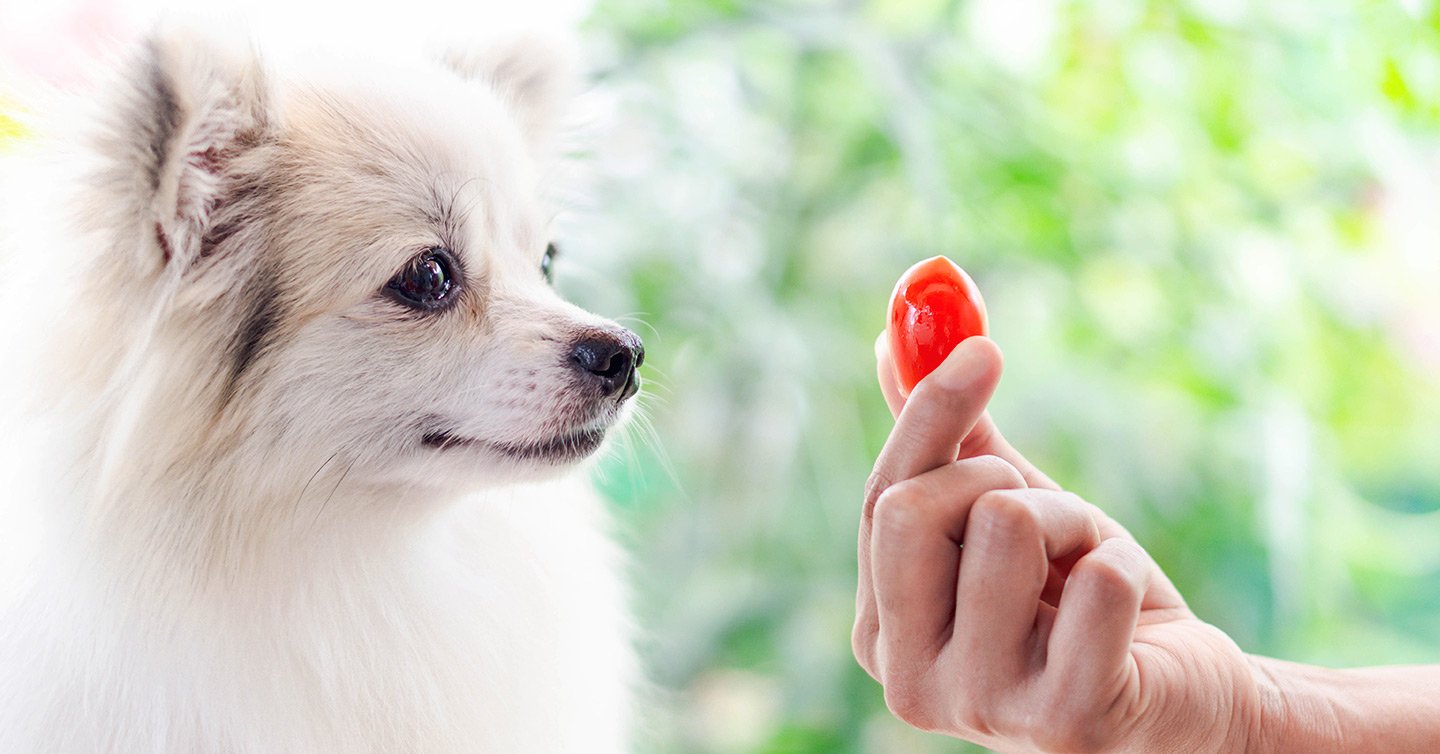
<point x="935" y="306"/>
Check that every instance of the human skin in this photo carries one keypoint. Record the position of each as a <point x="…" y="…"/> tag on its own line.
<point x="1057" y="631"/>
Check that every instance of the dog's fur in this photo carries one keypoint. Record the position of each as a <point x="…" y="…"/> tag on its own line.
<point x="285" y="513"/>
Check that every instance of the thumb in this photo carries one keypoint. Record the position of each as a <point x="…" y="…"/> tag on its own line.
<point x="940" y="412"/>
<point x="976" y="361"/>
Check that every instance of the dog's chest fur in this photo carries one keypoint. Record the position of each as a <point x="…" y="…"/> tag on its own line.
<point x="499" y="632"/>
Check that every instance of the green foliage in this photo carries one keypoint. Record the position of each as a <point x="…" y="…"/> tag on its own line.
<point x="1196" y="228"/>
<point x="1190" y="222"/>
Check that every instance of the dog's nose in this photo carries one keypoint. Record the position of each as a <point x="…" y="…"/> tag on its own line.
<point x="608" y="360"/>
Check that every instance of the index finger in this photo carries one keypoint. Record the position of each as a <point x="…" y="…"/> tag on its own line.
<point x="938" y="415"/>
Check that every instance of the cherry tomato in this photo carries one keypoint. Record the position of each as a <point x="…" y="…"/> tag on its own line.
<point x="935" y="306"/>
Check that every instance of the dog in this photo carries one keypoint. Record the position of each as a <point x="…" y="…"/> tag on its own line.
<point x="311" y="416"/>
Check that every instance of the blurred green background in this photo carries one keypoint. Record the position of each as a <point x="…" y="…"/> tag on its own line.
<point x="1206" y="234"/>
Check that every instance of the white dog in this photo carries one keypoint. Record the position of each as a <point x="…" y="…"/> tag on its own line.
<point x="313" y="418"/>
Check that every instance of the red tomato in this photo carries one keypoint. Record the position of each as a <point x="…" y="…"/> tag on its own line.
<point x="934" y="307"/>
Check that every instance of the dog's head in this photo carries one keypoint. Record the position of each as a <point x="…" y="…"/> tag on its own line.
<point x="347" y="269"/>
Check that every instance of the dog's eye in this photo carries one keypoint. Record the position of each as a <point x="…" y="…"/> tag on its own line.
<point x="427" y="282"/>
<point x="547" y="263"/>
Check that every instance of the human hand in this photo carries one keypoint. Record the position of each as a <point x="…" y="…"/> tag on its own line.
<point x="1054" y="630"/>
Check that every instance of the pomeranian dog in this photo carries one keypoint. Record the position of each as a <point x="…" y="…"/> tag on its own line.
<point x="310" y="418"/>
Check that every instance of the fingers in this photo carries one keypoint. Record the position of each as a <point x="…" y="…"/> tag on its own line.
<point x="1161" y="594"/>
<point x="915" y="555"/>
<point x="1089" y="647"/>
<point x="984" y="439"/>
<point x="936" y="418"/>
<point x="885" y="373"/>
<point x="939" y="414"/>
<point x="1011" y="537"/>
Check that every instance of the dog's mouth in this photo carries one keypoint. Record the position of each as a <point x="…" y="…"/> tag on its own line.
<point x="559" y="449"/>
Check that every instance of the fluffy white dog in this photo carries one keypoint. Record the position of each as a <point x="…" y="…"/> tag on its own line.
<point x="311" y="418"/>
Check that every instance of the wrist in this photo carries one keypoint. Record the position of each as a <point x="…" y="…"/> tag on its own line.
<point x="1296" y="711"/>
<point x="1305" y="708"/>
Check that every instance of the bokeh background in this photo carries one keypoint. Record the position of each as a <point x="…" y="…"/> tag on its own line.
<point x="1207" y="234"/>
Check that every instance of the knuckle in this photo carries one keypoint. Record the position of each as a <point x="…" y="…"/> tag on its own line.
<point x="1110" y="569"/>
<point x="996" y="472"/>
<point x="908" y="700"/>
<point x="1128" y="551"/>
<point x="875" y="486"/>
<point x="1081" y="509"/>
<point x="900" y="506"/>
<point x="1000" y="513"/>
<point x="1073" y="730"/>
<point x="973" y="712"/>
<point x="862" y="644"/>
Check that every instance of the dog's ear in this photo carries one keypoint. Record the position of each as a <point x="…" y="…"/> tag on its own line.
<point x="196" y="107"/>
<point x="535" y="73"/>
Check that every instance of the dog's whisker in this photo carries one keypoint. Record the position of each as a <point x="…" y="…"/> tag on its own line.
<point x="637" y="319"/>
<point x="657" y="449"/>
<point x="308" y="482"/>
<point x="321" y="510"/>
